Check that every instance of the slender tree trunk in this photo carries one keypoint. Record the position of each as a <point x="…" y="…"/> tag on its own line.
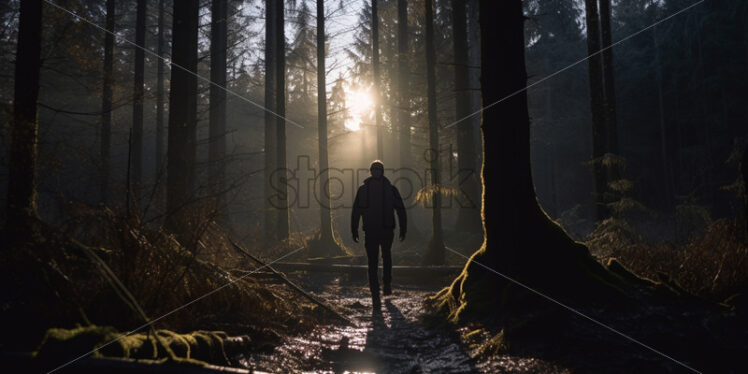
<point x="614" y="171"/>
<point x="280" y="105"/>
<point x="608" y="79"/>
<point x="324" y="187"/>
<point x="106" y="101"/>
<point x="182" y="123"/>
<point x="468" y="218"/>
<point x="161" y="50"/>
<point x="217" y="126"/>
<point x="435" y="251"/>
<point x="597" y="106"/>
<point x="403" y="83"/>
<point x="21" y="206"/>
<point x="270" y="152"/>
<point x="376" y="78"/>
<point x="137" y="99"/>
<point x="666" y="172"/>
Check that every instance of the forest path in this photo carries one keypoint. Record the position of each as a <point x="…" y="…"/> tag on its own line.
<point x="392" y="339"/>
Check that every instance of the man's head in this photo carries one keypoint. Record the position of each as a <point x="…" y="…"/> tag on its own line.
<point x="377" y="169"/>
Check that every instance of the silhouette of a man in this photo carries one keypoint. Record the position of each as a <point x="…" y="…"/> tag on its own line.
<point x="376" y="201"/>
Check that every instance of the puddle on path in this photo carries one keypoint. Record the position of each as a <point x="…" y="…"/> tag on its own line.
<point x="389" y="340"/>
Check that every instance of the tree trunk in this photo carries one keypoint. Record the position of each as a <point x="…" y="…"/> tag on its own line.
<point x="435" y="251"/>
<point x="609" y="91"/>
<point x="137" y="102"/>
<point x="324" y="188"/>
<point x="182" y="122"/>
<point x="609" y="79"/>
<point x="597" y="106"/>
<point x="667" y="181"/>
<point x="468" y="219"/>
<point x="403" y="83"/>
<point x="217" y="126"/>
<point x="161" y="50"/>
<point x="280" y="105"/>
<point x="106" y="101"/>
<point x="270" y="152"/>
<point x="24" y="132"/>
<point x="375" y="79"/>
<point x="548" y="259"/>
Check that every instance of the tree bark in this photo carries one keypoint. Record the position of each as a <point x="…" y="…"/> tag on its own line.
<point x="106" y="101"/>
<point x="597" y="106"/>
<point x="667" y="181"/>
<point x="137" y="99"/>
<point x="182" y="123"/>
<point x="375" y="79"/>
<point x="324" y="188"/>
<point x="161" y="50"/>
<point x="435" y="250"/>
<point x="270" y="152"/>
<point x="609" y="90"/>
<point x="21" y="206"/>
<point x="548" y="259"/>
<point x="403" y="83"/>
<point x="280" y="122"/>
<point x="217" y="125"/>
<point x="468" y="218"/>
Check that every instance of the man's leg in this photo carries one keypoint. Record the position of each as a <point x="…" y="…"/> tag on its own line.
<point x="371" y="243"/>
<point x="387" y="262"/>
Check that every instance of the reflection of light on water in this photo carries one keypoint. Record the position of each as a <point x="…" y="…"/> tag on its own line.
<point x="359" y="104"/>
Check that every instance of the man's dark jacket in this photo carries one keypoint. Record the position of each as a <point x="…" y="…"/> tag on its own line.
<point x="376" y="201"/>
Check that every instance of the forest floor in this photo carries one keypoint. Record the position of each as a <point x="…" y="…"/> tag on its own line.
<point x="400" y="337"/>
<point x="392" y="339"/>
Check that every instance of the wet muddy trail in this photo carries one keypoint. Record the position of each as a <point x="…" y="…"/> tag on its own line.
<point x="391" y="339"/>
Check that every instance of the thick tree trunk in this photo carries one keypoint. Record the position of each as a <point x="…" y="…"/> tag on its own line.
<point x="435" y="251"/>
<point x="468" y="218"/>
<point x="182" y="122"/>
<point x="24" y="131"/>
<point x="280" y="122"/>
<point x="548" y="259"/>
<point x="106" y="101"/>
<point x="137" y="103"/>
<point x="161" y="50"/>
<point x="324" y="188"/>
<point x="217" y="125"/>
<point x="376" y="78"/>
<point x="403" y="83"/>
<point x="744" y="173"/>
<point x="270" y="152"/>
<point x="597" y="106"/>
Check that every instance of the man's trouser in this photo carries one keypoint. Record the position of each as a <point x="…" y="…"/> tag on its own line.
<point x="372" y="242"/>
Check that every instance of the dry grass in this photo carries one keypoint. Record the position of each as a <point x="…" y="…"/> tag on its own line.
<point x="102" y="269"/>
<point x="713" y="265"/>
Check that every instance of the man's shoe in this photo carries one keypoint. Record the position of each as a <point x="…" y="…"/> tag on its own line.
<point x="387" y="290"/>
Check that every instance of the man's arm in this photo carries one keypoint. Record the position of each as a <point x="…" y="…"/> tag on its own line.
<point x="402" y="218"/>
<point x="356" y="215"/>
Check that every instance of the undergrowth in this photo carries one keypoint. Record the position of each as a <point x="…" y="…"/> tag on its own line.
<point x="713" y="265"/>
<point x="103" y="269"/>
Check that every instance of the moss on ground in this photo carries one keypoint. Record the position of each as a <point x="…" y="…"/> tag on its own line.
<point x="199" y="347"/>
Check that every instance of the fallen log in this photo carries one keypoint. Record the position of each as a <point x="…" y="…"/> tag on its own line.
<point x="294" y="286"/>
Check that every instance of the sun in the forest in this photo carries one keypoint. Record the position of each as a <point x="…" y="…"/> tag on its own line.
<point x="360" y="104"/>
